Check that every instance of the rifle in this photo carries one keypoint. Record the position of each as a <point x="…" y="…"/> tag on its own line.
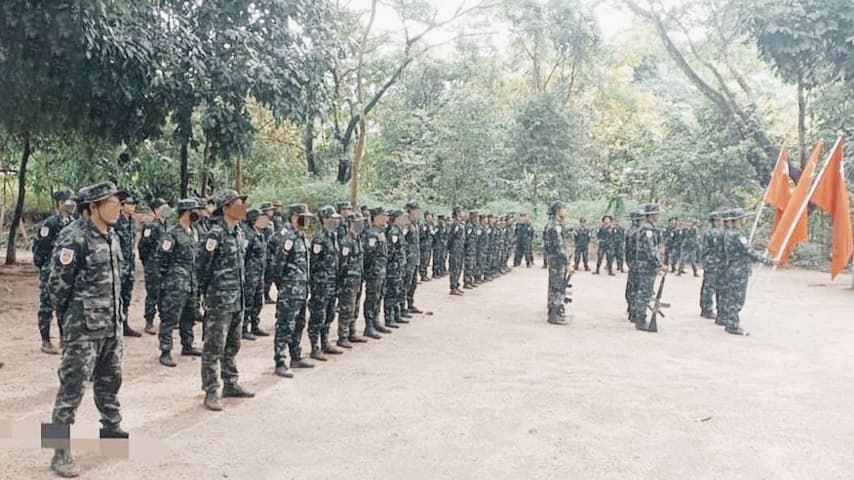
<point x="657" y="306"/>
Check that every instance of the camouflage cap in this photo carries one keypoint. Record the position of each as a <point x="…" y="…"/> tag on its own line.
<point x="157" y="203"/>
<point x="355" y="217"/>
<point x="343" y="206"/>
<point x="298" y="209"/>
<point x="736" y="213"/>
<point x="394" y="213"/>
<point x="200" y="202"/>
<point x="413" y="205"/>
<point x="441" y="216"/>
<point x="127" y="198"/>
<point x="185" y="204"/>
<point x="265" y="206"/>
<point x="651" y="209"/>
<point x="636" y="215"/>
<point x="251" y="215"/>
<point x="98" y="192"/>
<point x="327" y="211"/>
<point x="277" y="204"/>
<point x="474" y="213"/>
<point x="224" y="197"/>
<point x="554" y="207"/>
<point x="62" y="195"/>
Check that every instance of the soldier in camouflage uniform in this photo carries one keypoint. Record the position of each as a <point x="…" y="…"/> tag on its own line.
<point x="440" y="247"/>
<point x="149" y="242"/>
<point x="278" y="215"/>
<point x="255" y="230"/>
<point x="739" y="257"/>
<point x="375" y="271"/>
<point x="179" y="303"/>
<point x="490" y="253"/>
<point x="350" y="269"/>
<point x="582" y="244"/>
<point x="618" y="244"/>
<point x="631" y="260"/>
<point x="291" y="273"/>
<point x="276" y="225"/>
<point x="323" y="284"/>
<point x="393" y="294"/>
<point x="85" y="287"/>
<point x="524" y="233"/>
<point x="43" y="243"/>
<point x="470" y="237"/>
<point x="647" y="263"/>
<point x="202" y="216"/>
<point x="344" y="209"/>
<point x="671" y="243"/>
<point x="427" y="234"/>
<point x="555" y="250"/>
<point x="457" y="248"/>
<point x="412" y="234"/>
<point x="221" y="283"/>
<point x="713" y="256"/>
<point x="689" y="249"/>
<point x="605" y="250"/>
<point x="126" y="230"/>
<point x="482" y="250"/>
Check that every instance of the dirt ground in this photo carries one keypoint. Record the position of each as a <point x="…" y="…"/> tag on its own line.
<point x="483" y="388"/>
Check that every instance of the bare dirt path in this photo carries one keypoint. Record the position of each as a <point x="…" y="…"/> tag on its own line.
<point x="485" y="389"/>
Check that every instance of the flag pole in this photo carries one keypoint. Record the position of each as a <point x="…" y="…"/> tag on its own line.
<point x="803" y="207"/>
<point x="764" y="196"/>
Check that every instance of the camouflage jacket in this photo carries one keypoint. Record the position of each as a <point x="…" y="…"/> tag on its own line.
<point x="509" y="237"/>
<point x="492" y="234"/>
<point x="555" y="243"/>
<point x="646" y="255"/>
<point x="632" y="244"/>
<point x="471" y="238"/>
<point x="126" y="230"/>
<point x="351" y="261"/>
<point x="482" y="240"/>
<point x="618" y="239"/>
<point x="713" y="251"/>
<point x="427" y="235"/>
<point x="149" y="241"/>
<point x="671" y="238"/>
<point x="396" y="253"/>
<point x="291" y="264"/>
<point x="739" y="256"/>
<point x="582" y="237"/>
<point x="412" y="234"/>
<point x="85" y="283"/>
<point x="605" y="236"/>
<point x="324" y="264"/>
<point x="176" y="258"/>
<point x="690" y="239"/>
<point x="221" y="268"/>
<point x="456" y="238"/>
<point x="524" y="233"/>
<point x="376" y="254"/>
<point x="45" y="239"/>
<point x="278" y="222"/>
<point x="256" y="254"/>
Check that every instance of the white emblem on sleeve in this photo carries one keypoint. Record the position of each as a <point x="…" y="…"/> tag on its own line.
<point x="146" y="233"/>
<point x="372" y="242"/>
<point x="649" y="234"/>
<point x="167" y="245"/>
<point x="66" y="255"/>
<point x="345" y="251"/>
<point x="743" y="240"/>
<point x="317" y="248"/>
<point x="45" y="231"/>
<point x="394" y="239"/>
<point x="289" y="244"/>
<point x="210" y="245"/>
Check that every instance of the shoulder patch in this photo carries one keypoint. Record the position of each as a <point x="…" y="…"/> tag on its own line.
<point x="317" y="248"/>
<point x="345" y="251"/>
<point x="166" y="245"/>
<point x="211" y="244"/>
<point x="289" y="244"/>
<point x="66" y="255"/>
<point x="372" y="242"/>
<point x="394" y="239"/>
<point x="146" y="233"/>
<point x="743" y="240"/>
<point x="44" y="231"/>
<point x="649" y="234"/>
<point x="558" y="228"/>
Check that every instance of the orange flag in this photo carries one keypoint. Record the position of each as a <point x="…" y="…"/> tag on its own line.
<point x="794" y="217"/>
<point x="831" y="195"/>
<point x="778" y="193"/>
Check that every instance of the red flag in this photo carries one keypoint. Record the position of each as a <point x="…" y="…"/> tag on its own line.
<point x="831" y="195"/>
<point x="778" y="193"/>
<point x="794" y="217"/>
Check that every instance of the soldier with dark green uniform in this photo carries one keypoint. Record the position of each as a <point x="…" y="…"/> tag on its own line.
<point x="647" y="263"/>
<point x="555" y="250"/>
<point x="179" y="302"/>
<point x="582" y="244"/>
<point x="440" y="247"/>
<point x="291" y="274"/>
<point x="222" y="280"/>
<point x="255" y="230"/>
<point x="350" y="269"/>
<point x="457" y="247"/>
<point x="427" y="235"/>
<point x="126" y="230"/>
<point x="618" y="244"/>
<point x="149" y="242"/>
<point x="482" y="249"/>
<point x="689" y="249"/>
<point x="605" y="250"/>
<point x="276" y="225"/>
<point x="470" y="237"/>
<point x="376" y="268"/>
<point x="490" y="263"/>
<point x="85" y="288"/>
<point x="412" y="235"/>
<point x="202" y="218"/>
<point x="323" y="284"/>
<point x="393" y="294"/>
<point x="524" y="241"/>
<point x="713" y="257"/>
<point x="344" y="209"/>
<point x="671" y="243"/>
<point x="632" y="236"/>
<point x="43" y="243"/>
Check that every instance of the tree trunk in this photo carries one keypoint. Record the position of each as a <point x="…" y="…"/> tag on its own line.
<point x="185" y="171"/>
<point x="308" y="142"/>
<point x="802" y="105"/>
<point x="238" y="174"/>
<point x="357" y="162"/>
<point x="19" y="204"/>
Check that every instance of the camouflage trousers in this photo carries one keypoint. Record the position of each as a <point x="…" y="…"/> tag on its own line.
<point x="45" y="315"/>
<point x="557" y="286"/>
<point x="440" y="261"/>
<point x="98" y="361"/>
<point x="127" y="291"/>
<point x="470" y="269"/>
<point x="733" y="295"/>
<point x="347" y="307"/>
<point x="253" y="292"/>
<point x="631" y="288"/>
<point x="521" y="251"/>
<point x="581" y="254"/>
<point x="222" y="342"/>
<point x="456" y="268"/>
<point x="709" y="292"/>
<point x="480" y="266"/>
<point x="424" y="263"/>
<point x="321" y="316"/>
<point x="374" y="290"/>
<point x="410" y="284"/>
<point x="152" y="291"/>
<point x="607" y="255"/>
<point x="290" y="322"/>
<point x="392" y="298"/>
<point x="643" y="292"/>
<point x="177" y="309"/>
<point x="620" y="257"/>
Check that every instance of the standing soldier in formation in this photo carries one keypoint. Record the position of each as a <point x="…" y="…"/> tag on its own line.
<point x="412" y="234"/>
<point x="255" y="260"/>
<point x="85" y="287"/>
<point x="323" y="284"/>
<point x="605" y="250"/>
<point x="509" y="241"/>
<point x="713" y="257"/>
<point x="555" y="250"/>
<point x="631" y="260"/>
<point x="376" y="268"/>
<point x="393" y="295"/>
<point x="126" y="230"/>
<point x="470" y="237"/>
<point x="179" y="302"/>
<point x="689" y="248"/>
<point x="427" y="236"/>
<point x="618" y="244"/>
<point x="43" y="244"/>
<point x="440" y="247"/>
<point x="221" y="283"/>
<point x="149" y="242"/>
<point x="582" y="244"/>
<point x="278" y="215"/>
<point x="739" y="257"/>
<point x="203" y="218"/>
<point x="671" y="243"/>
<point x="344" y="209"/>
<point x="482" y="249"/>
<point x="647" y="264"/>
<point x="489" y="250"/>
<point x="277" y="223"/>
<point x="457" y="247"/>
<point x="291" y="273"/>
<point x="524" y="241"/>
<point x="350" y="270"/>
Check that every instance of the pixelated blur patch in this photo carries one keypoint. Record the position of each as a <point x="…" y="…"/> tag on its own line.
<point x="56" y="435"/>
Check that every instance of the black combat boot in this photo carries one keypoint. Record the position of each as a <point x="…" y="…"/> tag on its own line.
<point x="113" y="432"/>
<point x="63" y="464"/>
<point x="191" y="352"/>
<point x="212" y="402"/>
<point x="317" y="353"/>
<point x="166" y="359"/>
<point x="129" y="332"/>
<point x="329" y="349"/>
<point x="236" y="391"/>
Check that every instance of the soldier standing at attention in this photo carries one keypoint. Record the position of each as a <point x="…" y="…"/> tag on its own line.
<point x="350" y="268"/>
<point x="427" y="236"/>
<point x="221" y="283"/>
<point x="555" y="247"/>
<point x="456" y="247"/>
<point x="739" y="257"/>
<point x="393" y="295"/>
<point x="179" y="301"/>
<point x="202" y="217"/>
<point x="278" y="222"/>
<point x="605" y="249"/>
<point x="412" y="234"/>
<point x="85" y="287"/>
<point x="376" y="267"/>
<point x="482" y="249"/>
<point x="631" y="261"/>
<point x="524" y="233"/>
<point x="323" y="284"/>
<point x="149" y="242"/>
<point x="670" y="235"/>
<point x="470" y="237"/>
<point x="344" y="209"/>
<point x="582" y="244"/>
<point x="278" y="215"/>
<point x="126" y="230"/>
<point x="291" y="272"/>
<point x="440" y="246"/>
<point x="43" y="244"/>
<point x="490" y="263"/>
<point x="648" y="264"/>
<point x="618" y="244"/>
<point x="712" y="260"/>
<point x="255" y="228"/>
<point x="689" y="247"/>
